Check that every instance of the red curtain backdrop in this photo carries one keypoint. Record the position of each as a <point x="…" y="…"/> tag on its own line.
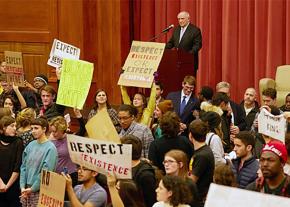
<point x="243" y="40"/>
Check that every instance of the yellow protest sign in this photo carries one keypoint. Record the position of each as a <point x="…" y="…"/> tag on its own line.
<point x="141" y="63"/>
<point x="75" y="82"/>
<point x="100" y="127"/>
<point x="14" y="67"/>
<point x="52" y="188"/>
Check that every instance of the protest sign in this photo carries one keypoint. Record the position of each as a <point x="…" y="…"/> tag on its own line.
<point x="102" y="156"/>
<point x="52" y="189"/>
<point x="141" y="63"/>
<point x="61" y="50"/>
<point x="75" y="82"/>
<point x="273" y="126"/>
<point x="14" y="67"/>
<point x="222" y="196"/>
<point x="101" y="127"/>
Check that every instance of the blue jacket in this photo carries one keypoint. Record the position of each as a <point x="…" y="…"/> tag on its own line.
<point x="248" y="173"/>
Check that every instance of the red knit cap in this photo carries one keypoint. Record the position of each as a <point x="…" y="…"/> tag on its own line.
<point x="277" y="148"/>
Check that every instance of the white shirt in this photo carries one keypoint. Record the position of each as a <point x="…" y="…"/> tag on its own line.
<point x="186" y="99"/>
<point x="162" y="204"/>
<point x="182" y="30"/>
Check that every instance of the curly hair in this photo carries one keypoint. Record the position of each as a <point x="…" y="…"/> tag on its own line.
<point x="180" y="190"/>
<point x="59" y="123"/>
<point x="25" y="117"/>
<point x="169" y="124"/>
<point x="224" y="175"/>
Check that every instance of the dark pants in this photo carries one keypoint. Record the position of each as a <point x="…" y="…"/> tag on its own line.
<point x="11" y="197"/>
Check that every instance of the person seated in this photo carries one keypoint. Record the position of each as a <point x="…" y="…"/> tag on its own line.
<point x="87" y="194"/>
<point x="286" y="106"/>
<point x="250" y="106"/>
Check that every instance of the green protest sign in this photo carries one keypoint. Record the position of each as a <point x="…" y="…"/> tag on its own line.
<point x="75" y="82"/>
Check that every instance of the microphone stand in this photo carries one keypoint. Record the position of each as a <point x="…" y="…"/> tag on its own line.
<point x="157" y="36"/>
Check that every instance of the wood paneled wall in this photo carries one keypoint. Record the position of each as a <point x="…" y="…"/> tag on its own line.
<point x="92" y="25"/>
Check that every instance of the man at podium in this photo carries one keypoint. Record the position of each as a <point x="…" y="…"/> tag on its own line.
<point x="186" y="37"/>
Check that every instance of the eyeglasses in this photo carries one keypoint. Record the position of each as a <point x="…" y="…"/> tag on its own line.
<point x="168" y="162"/>
<point x="125" y="118"/>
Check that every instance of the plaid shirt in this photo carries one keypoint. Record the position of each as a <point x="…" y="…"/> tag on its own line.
<point x="143" y="133"/>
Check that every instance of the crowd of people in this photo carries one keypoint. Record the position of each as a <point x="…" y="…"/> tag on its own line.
<point x="180" y="145"/>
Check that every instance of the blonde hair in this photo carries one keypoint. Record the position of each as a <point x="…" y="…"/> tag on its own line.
<point x="25" y="117"/>
<point x="4" y="112"/>
<point x="190" y="80"/>
<point x="59" y="123"/>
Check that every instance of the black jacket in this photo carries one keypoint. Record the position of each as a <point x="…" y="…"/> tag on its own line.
<point x="251" y="115"/>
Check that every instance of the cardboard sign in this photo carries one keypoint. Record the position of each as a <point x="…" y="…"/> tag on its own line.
<point x="273" y="126"/>
<point x="100" y="127"/>
<point x="14" y="67"/>
<point x="61" y="50"/>
<point x="52" y="189"/>
<point x="75" y="82"/>
<point x="102" y="156"/>
<point x="141" y="63"/>
<point x="222" y="196"/>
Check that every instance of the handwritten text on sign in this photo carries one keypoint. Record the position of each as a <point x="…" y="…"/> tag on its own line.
<point x="52" y="188"/>
<point x="102" y="156"/>
<point x="75" y="82"/>
<point x="61" y="50"/>
<point x="273" y="126"/>
<point x="142" y="61"/>
<point x="14" y="67"/>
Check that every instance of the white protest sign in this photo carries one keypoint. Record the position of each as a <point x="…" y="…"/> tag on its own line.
<point x="52" y="189"/>
<point x="61" y="50"/>
<point x="222" y="196"/>
<point x="102" y="156"/>
<point x="273" y="126"/>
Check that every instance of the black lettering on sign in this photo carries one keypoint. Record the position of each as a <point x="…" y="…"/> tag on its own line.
<point x="45" y="177"/>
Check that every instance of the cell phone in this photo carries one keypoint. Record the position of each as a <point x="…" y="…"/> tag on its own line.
<point x="64" y="170"/>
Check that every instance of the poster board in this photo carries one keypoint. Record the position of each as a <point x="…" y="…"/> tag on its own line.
<point x="61" y="50"/>
<point x="75" y="82"/>
<point x="52" y="189"/>
<point x="273" y="126"/>
<point x="102" y="156"/>
<point x="14" y="67"/>
<point x="141" y="63"/>
<point x="100" y="127"/>
<point x="223" y="196"/>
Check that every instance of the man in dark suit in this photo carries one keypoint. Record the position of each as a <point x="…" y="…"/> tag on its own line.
<point x="184" y="101"/>
<point x="186" y="37"/>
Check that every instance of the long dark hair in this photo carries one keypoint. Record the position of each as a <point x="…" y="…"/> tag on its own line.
<point x="95" y="106"/>
<point x="129" y="194"/>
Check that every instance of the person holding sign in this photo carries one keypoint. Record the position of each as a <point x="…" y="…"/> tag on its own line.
<point x="11" y="149"/>
<point x="101" y="102"/>
<point x="89" y="193"/>
<point x="145" y="110"/>
<point x="274" y="181"/>
<point x="38" y="155"/>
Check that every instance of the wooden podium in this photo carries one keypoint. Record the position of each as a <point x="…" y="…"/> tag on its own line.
<point x="174" y="65"/>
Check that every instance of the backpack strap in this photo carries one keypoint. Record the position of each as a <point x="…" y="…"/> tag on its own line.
<point x="209" y="141"/>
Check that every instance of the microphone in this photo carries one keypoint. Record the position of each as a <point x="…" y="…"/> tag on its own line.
<point x="168" y="28"/>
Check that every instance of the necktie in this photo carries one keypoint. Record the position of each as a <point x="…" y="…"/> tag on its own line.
<point x="181" y="34"/>
<point x="182" y="105"/>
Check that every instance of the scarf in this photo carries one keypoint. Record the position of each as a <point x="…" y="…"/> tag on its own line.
<point x="8" y="139"/>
